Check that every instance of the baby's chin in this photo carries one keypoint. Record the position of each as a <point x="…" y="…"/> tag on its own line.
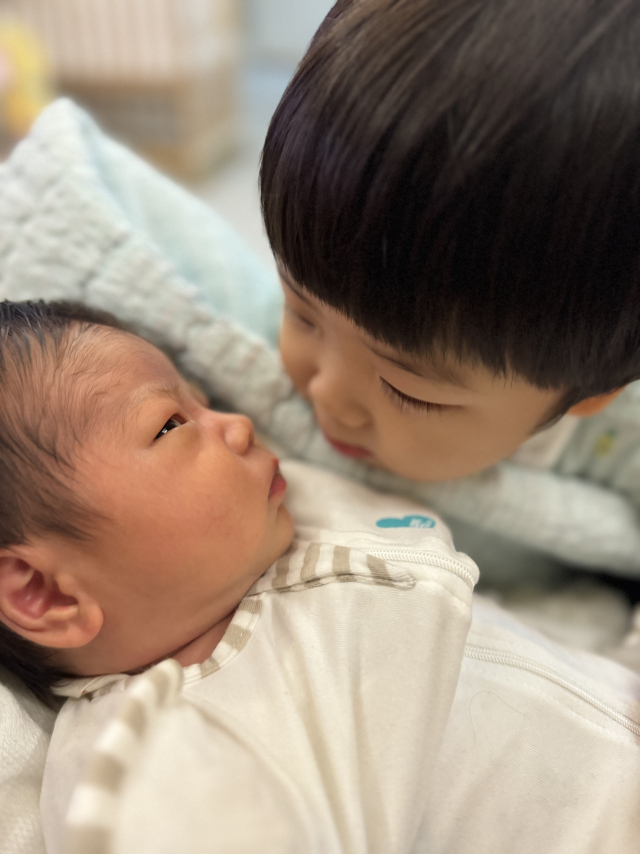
<point x="285" y="535"/>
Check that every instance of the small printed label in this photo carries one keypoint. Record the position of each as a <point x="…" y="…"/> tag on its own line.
<point x="407" y="522"/>
<point x="606" y="443"/>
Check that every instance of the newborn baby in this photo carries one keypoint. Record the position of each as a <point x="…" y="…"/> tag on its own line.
<point x="134" y="518"/>
<point x="334" y="694"/>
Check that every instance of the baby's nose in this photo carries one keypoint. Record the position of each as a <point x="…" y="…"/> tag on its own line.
<point x="239" y="434"/>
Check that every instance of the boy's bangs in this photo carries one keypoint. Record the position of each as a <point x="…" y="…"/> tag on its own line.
<point x="500" y="223"/>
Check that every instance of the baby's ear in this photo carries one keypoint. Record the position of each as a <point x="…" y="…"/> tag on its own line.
<point x="41" y="603"/>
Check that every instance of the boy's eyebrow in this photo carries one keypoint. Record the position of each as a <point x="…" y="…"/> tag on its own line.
<point x="437" y="374"/>
<point x="298" y="291"/>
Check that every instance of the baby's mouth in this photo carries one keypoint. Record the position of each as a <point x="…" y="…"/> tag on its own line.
<point x="278" y="484"/>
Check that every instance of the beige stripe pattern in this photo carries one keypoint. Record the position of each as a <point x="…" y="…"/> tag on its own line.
<point x="310" y="561"/>
<point x="305" y="565"/>
<point x="282" y="570"/>
<point x="241" y="628"/>
<point x="312" y="564"/>
<point x="93" y="810"/>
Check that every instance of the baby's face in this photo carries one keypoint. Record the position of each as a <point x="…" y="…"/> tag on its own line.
<point x="193" y="504"/>
<point x="421" y="420"/>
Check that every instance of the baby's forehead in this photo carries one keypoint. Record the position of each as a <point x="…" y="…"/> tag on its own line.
<point x="108" y="368"/>
<point x="127" y="361"/>
<point x="114" y="354"/>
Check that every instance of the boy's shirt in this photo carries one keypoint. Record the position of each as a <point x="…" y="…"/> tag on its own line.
<point x="544" y="449"/>
<point x="82" y="218"/>
<point x="605" y="448"/>
<point x="354" y="707"/>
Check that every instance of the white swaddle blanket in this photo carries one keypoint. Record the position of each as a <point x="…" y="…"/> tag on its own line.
<point x="378" y="716"/>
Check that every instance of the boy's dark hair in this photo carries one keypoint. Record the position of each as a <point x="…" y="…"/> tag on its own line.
<point x="37" y="437"/>
<point x="464" y="175"/>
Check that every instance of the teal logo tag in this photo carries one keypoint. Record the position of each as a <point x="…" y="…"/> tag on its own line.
<point x="407" y="522"/>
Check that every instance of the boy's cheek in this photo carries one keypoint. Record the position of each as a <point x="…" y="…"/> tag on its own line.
<point x="294" y="361"/>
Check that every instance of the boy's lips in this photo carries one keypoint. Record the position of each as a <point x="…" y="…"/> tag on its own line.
<point x="354" y="451"/>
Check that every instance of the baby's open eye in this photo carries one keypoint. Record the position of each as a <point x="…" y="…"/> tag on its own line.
<point x="172" y="423"/>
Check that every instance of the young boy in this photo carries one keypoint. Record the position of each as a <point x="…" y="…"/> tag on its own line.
<point x="329" y="695"/>
<point x="451" y="191"/>
<point x="453" y="202"/>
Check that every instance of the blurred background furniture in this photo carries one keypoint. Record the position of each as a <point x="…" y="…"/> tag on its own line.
<point x="162" y="75"/>
<point x="190" y="84"/>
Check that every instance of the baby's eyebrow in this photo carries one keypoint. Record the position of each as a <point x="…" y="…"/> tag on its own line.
<point x="155" y="390"/>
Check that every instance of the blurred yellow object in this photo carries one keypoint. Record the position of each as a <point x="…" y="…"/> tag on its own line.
<point x="25" y="78"/>
<point x="160" y="75"/>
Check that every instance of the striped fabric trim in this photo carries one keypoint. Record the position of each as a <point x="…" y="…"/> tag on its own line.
<point x="234" y="639"/>
<point x="313" y="564"/>
<point x="305" y="565"/>
<point x="93" y="810"/>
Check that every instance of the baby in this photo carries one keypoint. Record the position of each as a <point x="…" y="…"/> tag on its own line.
<point x="119" y="484"/>
<point x="328" y="691"/>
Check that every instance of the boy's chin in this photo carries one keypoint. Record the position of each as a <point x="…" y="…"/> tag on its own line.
<point x="427" y="474"/>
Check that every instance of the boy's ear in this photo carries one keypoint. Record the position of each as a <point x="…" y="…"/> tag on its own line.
<point x="593" y="405"/>
<point x="44" y="604"/>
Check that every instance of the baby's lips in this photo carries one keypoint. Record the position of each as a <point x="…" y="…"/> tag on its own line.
<point x="278" y="484"/>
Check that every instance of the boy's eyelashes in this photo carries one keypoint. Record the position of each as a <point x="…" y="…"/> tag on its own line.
<point x="173" y="422"/>
<point x="404" y="400"/>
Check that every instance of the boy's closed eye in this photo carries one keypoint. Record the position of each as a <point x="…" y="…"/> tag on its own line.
<point x="403" y="400"/>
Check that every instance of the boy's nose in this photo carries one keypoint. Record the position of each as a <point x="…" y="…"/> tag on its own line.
<point x="239" y="434"/>
<point x="335" y="397"/>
